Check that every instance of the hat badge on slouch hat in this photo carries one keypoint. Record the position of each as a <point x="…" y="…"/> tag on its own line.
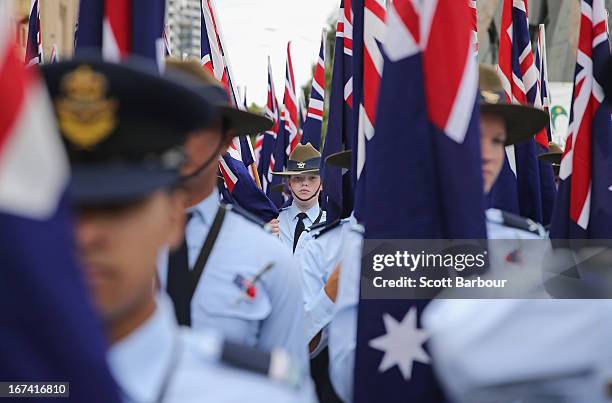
<point x="85" y="115"/>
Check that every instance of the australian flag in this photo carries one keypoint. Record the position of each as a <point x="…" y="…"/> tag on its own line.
<point x="583" y="208"/>
<point x="518" y="189"/>
<point x="242" y="190"/>
<point x="121" y="28"/>
<point x="547" y="181"/>
<point x="48" y="329"/>
<point x="367" y="62"/>
<point x="425" y="156"/>
<point x="214" y="59"/>
<point x="314" y="118"/>
<point x="34" y="49"/>
<point x="265" y="163"/>
<point x="279" y="156"/>
<point x="337" y="194"/>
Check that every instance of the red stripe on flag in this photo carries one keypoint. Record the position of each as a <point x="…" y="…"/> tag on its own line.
<point x="14" y="80"/>
<point x="581" y="166"/>
<point x="410" y="18"/>
<point x="449" y="22"/>
<point x="118" y="14"/>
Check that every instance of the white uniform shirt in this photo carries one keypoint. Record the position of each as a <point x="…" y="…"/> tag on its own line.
<point x="288" y="219"/>
<point x="275" y="317"/>
<point x="158" y="352"/>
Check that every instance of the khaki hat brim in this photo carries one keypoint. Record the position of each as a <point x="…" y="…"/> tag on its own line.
<point x="553" y="158"/>
<point x="522" y="121"/>
<point x="340" y="159"/>
<point x="245" y="123"/>
<point x="293" y="173"/>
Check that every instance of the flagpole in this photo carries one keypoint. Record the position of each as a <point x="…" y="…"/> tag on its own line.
<point x="255" y="174"/>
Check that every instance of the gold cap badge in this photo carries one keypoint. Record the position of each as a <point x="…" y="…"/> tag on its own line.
<point x="85" y="116"/>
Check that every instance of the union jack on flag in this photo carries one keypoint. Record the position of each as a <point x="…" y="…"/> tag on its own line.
<point x="368" y="32"/>
<point x="584" y="201"/>
<point x="517" y="189"/>
<point x="314" y="118"/>
<point x="370" y="64"/>
<point x="34" y="48"/>
<point x="266" y="160"/>
<point x="214" y="59"/>
<point x="290" y="107"/>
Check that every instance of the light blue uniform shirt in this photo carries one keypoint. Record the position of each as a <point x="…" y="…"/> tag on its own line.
<point x="288" y="219"/>
<point x="141" y="362"/>
<point x="343" y="327"/>
<point x="318" y="256"/>
<point x="536" y="348"/>
<point x="275" y="316"/>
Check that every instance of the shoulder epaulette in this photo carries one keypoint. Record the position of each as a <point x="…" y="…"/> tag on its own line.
<point x="328" y="227"/>
<point x="246" y="214"/>
<point x="315" y="227"/>
<point x="525" y="224"/>
<point x="276" y="365"/>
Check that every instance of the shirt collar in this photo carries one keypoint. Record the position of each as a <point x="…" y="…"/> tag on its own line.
<point x="207" y="208"/>
<point x="312" y="213"/>
<point x="141" y="360"/>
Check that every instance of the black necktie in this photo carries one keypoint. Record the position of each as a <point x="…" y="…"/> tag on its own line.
<point x="299" y="228"/>
<point x="179" y="281"/>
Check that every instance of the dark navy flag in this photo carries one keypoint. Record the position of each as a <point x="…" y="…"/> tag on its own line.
<point x="425" y="156"/>
<point x="121" y="28"/>
<point x="34" y="49"/>
<point x="547" y="176"/>
<point x="266" y="163"/>
<point x="314" y="118"/>
<point x="583" y="208"/>
<point x="48" y="329"/>
<point x="279" y="156"/>
<point x="337" y="194"/>
<point x="243" y="190"/>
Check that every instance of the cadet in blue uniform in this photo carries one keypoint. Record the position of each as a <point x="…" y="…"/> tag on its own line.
<point x="124" y="144"/>
<point x="305" y="186"/>
<point x="527" y="350"/>
<point x="319" y="253"/>
<point x="501" y="125"/>
<point x="245" y="284"/>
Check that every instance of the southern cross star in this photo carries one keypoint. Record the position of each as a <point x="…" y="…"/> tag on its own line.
<point x="402" y="344"/>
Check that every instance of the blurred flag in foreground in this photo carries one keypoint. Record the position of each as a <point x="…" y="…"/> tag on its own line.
<point x="48" y="330"/>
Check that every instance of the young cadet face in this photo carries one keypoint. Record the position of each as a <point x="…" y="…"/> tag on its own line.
<point x="493" y="137"/>
<point x="200" y="147"/>
<point x="305" y="186"/>
<point x="118" y="246"/>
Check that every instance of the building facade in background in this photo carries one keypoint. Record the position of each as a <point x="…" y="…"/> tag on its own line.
<point x="57" y="22"/>
<point x="183" y="27"/>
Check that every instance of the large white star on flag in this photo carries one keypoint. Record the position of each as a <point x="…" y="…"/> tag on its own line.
<point x="403" y="343"/>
